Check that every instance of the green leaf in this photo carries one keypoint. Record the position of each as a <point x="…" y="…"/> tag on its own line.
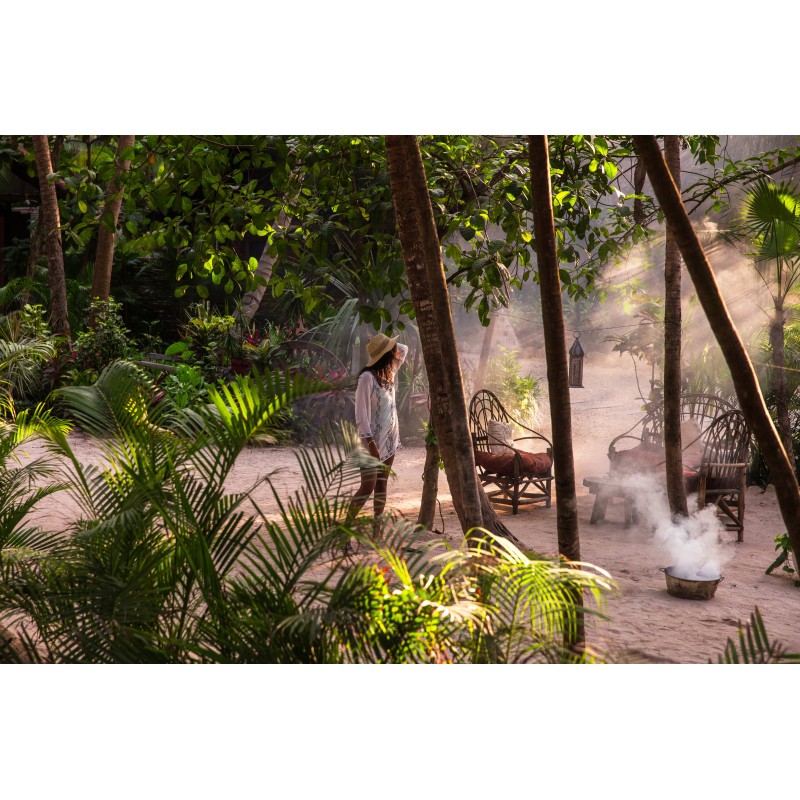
<point x="610" y="169"/>
<point x="202" y="291"/>
<point x="82" y="206"/>
<point x="176" y="348"/>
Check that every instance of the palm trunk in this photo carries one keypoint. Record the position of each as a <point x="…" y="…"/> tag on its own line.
<point x="104" y="257"/>
<point x="776" y="342"/>
<point x="426" y="281"/>
<point x="33" y="256"/>
<point x="50" y="220"/>
<point x="676" y="491"/>
<point x="555" y="347"/>
<point x="430" y="485"/>
<point x="748" y="391"/>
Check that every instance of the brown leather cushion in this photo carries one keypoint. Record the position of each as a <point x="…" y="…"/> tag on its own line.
<point x="642" y="458"/>
<point x="646" y="458"/>
<point x="533" y="464"/>
<point x="692" y="444"/>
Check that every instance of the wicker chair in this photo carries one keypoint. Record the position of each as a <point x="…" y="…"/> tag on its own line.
<point x="522" y="478"/>
<point x="721" y="477"/>
<point x="649" y="430"/>
<point x="718" y="476"/>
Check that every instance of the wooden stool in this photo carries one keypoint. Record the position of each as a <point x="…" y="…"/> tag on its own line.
<point x="605" y="488"/>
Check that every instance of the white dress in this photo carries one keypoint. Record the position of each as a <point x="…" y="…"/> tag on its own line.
<point x="376" y="410"/>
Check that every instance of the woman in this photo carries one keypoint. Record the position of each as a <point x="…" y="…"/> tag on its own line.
<point x="376" y="419"/>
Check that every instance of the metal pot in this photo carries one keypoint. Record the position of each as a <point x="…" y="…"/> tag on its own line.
<point x="690" y="590"/>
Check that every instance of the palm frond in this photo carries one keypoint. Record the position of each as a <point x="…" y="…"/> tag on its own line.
<point x="755" y="646"/>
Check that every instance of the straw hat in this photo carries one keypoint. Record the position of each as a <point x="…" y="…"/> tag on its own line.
<point x="379" y="345"/>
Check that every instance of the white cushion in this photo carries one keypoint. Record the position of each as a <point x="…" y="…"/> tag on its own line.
<point x="500" y="436"/>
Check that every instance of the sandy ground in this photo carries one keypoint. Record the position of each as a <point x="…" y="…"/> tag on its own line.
<point x="643" y="620"/>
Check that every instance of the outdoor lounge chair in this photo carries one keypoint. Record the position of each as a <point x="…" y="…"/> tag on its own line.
<point x="714" y="461"/>
<point x="648" y="432"/>
<point x="519" y="477"/>
<point x="721" y="477"/>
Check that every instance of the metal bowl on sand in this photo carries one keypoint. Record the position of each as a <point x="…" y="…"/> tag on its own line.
<point x="695" y="587"/>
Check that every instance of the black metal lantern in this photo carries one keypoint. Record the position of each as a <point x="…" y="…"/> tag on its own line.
<point x="576" y="363"/>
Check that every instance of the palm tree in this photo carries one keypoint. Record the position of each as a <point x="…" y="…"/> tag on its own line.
<point x="676" y="490"/>
<point x="428" y="286"/>
<point x="771" y="220"/>
<point x="556" y="356"/>
<point x="51" y="232"/>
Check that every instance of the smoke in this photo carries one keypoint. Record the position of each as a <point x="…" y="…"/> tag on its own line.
<point x="696" y="547"/>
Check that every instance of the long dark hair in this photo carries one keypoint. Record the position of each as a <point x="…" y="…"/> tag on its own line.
<point x="384" y="368"/>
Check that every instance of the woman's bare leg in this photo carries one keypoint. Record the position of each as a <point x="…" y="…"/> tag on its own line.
<point x="381" y="483"/>
<point x="368" y="481"/>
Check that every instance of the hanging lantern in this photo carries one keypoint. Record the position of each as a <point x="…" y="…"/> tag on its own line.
<point x="576" y="363"/>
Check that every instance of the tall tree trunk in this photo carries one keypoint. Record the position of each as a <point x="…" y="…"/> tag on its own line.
<point x="776" y="341"/>
<point x="50" y="220"/>
<point x="430" y="484"/>
<point x="107" y="234"/>
<point x="555" y="346"/>
<point x="744" y="378"/>
<point x="483" y="360"/>
<point x="426" y="281"/>
<point x="676" y="491"/>
<point x="266" y="263"/>
<point x="33" y="255"/>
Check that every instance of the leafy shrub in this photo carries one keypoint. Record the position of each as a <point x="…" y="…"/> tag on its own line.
<point x="518" y="393"/>
<point x="166" y="566"/>
<point x="206" y="339"/>
<point x="27" y="353"/>
<point x="96" y="348"/>
<point x="186" y="387"/>
<point x="785" y="559"/>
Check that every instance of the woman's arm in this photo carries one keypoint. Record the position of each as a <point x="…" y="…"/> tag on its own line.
<point x="402" y="352"/>
<point x="364" y="413"/>
<point x="364" y="406"/>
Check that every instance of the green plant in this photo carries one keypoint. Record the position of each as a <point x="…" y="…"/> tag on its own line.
<point x="785" y="558"/>
<point x="109" y="339"/>
<point x="26" y="349"/>
<point x="186" y="387"/>
<point x="755" y="647"/>
<point x="518" y="393"/>
<point x="164" y="565"/>
<point x="24" y="482"/>
<point x="206" y="339"/>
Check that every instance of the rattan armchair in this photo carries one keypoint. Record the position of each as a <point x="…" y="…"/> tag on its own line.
<point x="521" y="477"/>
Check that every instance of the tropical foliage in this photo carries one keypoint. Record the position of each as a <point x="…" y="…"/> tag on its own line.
<point x="164" y="565"/>
<point x="754" y="646"/>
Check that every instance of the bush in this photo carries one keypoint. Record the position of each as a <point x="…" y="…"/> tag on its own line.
<point x="96" y="348"/>
<point x="518" y="393"/>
